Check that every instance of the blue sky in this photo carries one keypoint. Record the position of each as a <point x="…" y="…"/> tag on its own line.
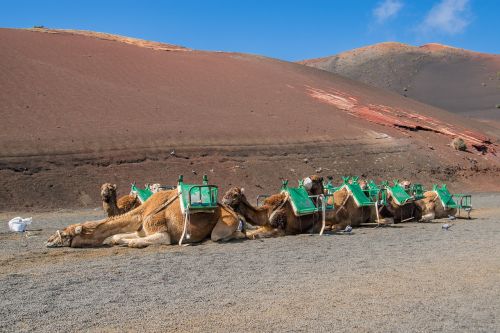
<point x="290" y="30"/>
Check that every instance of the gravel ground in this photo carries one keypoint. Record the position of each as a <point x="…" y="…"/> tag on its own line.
<point x="409" y="277"/>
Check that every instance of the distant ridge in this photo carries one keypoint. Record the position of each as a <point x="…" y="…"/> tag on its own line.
<point x="454" y="79"/>
<point x="112" y="37"/>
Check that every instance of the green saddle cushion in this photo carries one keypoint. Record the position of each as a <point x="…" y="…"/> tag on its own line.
<point x="445" y="197"/>
<point x="399" y="194"/>
<point x="201" y="197"/>
<point x="142" y="194"/>
<point x="301" y="202"/>
<point x="359" y="195"/>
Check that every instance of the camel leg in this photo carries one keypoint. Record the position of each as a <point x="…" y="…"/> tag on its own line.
<point x="154" y="239"/>
<point x="118" y="239"/>
<point x="265" y="232"/>
<point x="227" y="229"/>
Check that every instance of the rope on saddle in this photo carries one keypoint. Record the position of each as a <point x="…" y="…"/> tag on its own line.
<point x="342" y="206"/>
<point x="323" y="214"/>
<point x="273" y="213"/>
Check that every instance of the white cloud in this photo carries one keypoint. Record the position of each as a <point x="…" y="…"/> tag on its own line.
<point x="387" y="9"/>
<point x="448" y="16"/>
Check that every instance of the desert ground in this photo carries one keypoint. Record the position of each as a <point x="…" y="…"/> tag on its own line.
<point x="410" y="277"/>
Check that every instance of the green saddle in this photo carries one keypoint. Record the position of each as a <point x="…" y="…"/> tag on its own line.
<point x="445" y="196"/>
<point x="329" y="188"/>
<point x="373" y="190"/>
<point x="197" y="198"/>
<point x="417" y="191"/>
<point x="300" y="200"/>
<point x="142" y="194"/>
<point x="398" y="193"/>
<point x="361" y="199"/>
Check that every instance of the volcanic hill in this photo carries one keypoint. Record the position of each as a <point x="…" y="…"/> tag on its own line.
<point x="457" y="80"/>
<point x="82" y="108"/>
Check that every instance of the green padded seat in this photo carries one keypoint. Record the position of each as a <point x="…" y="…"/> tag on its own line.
<point x="417" y="191"/>
<point x="302" y="203"/>
<point x="373" y="190"/>
<point x="445" y="196"/>
<point x="359" y="195"/>
<point x="330" y="189"/>
<point x="142" y="194"/>
<point x="197" y="198"/>
<point x="399" y="194"/>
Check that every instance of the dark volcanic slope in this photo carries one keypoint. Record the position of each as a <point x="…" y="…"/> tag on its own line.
<point x="78" y="109"/>
<point x="453" y="79"/>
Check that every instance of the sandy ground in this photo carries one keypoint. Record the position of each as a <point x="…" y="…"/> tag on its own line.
<point x="409" y="277"/>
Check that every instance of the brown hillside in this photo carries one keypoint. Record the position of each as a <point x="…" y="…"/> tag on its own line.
<point x="78" y="110"/>
<point x="457" y="80"/>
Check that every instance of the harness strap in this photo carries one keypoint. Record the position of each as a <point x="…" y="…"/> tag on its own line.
<point x="287" y="196"/>
<point x="162" y="207"/>
<point x="343" y="204"/>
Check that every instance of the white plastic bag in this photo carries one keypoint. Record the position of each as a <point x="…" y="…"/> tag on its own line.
<point x="18" y="224"/>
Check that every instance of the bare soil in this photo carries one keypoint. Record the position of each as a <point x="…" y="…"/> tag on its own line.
<point x="411" y="277"/>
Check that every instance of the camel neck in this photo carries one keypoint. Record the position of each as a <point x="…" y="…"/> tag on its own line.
<point x="125" y="223"/>
<point x="255" y="216"/>
<point x="110" y="205"/>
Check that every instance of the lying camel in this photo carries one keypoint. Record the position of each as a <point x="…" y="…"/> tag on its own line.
<point x="432" y="207"/>
<point x="113" y="207"/>
<point x="158" y="221"/>
<point x="345" y="212"/>
<point x="274" y="218"/>
<point x="402" y="213"/>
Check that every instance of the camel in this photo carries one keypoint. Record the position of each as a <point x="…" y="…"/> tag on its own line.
<point x="274" y="218"/>
<point x="113" y="207"/>
<point x="432" y="207"/>
<point x="158" y="221"/>
<point x="346" y="211"/>
<point x="402" y="213"/>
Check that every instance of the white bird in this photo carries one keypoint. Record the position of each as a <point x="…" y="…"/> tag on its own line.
<point x="348" y="229"/>
<point x="446" y="226"/>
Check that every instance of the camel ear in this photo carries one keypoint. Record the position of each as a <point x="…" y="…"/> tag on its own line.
<point x="78" y="230"/>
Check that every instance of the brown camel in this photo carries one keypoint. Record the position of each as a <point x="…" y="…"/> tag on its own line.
<point x="402" y="213"/>
<point x="432" y="207"/>
<point x="274" y="218"/>
<point x="346" y="211"/>
<point x="158" y="221"/>
<point x="111" y="206"/>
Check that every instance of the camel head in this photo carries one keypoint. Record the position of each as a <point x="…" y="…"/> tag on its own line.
<point x="234" y="197"/>
<point x="406" y="184"/>
<point x="314" y="185"/>
<point x="65" y="237"/>
<point x="155" y="187"/>
<point x="108" y="191"/>
<point x="363" y="183"/>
